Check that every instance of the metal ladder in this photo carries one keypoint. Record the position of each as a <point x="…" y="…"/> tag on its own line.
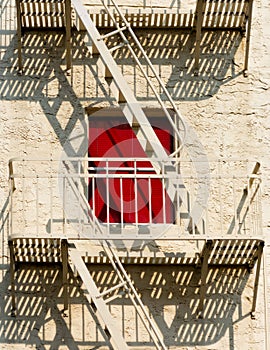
<point x="135" y="116"/>
<point x="95" y="297"/>
<point x="99" y="303"/>
<point x="132" y="110"/>
<point x="98" y="299"/>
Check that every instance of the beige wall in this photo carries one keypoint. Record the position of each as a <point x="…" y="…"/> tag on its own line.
<point x="39" y="112"/>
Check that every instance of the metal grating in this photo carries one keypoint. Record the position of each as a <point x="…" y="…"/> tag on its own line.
<point x="36" y="250"/>
<point x="225" y="14"/>
<point x="42" y="14"/>
<point x="216" y="15"/>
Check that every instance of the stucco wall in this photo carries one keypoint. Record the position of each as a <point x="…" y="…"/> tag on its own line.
<point x="230" y="116"/>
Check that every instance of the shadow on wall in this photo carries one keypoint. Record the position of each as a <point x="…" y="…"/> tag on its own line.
<point x="171" y="53"/>
<point x="39" y="295"/>
<point x="44" y="80"/>
<point x="41" y="322"/>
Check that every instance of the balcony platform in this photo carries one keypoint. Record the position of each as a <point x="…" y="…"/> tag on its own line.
<point x="194" y="15"/>
<point x="185" y="251"/>
<point x="202" y="254"/>
<point x="53" y="218"/>
<point x="222" y="251"/>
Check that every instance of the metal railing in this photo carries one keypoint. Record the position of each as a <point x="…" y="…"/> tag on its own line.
<point x="123" y="198"/>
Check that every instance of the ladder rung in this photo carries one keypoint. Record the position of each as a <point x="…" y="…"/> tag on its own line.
<point x="116" y="31"/>
<point x="116" y="47"/>
<point x="122" y="284"/>
<point x="113" y="297"/>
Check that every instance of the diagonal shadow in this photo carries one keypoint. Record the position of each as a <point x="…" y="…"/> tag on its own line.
<point x="44" y="67"/>
<point x="174" y="309"/>
<point x="39" y="321"/>
<point x="45" y="81"/>
<point x="171" y="53"/>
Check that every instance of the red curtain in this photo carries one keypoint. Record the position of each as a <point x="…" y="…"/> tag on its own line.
<point x="113" y="137"/>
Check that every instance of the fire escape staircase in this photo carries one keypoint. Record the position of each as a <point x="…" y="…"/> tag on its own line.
<point x="96" y="42"/>
<point x="132" y="109"/>
<point x="99" y="300"/>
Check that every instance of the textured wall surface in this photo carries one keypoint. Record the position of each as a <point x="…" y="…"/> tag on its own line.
<point x="229" y="115"/>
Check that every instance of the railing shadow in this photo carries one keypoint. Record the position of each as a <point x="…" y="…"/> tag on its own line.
<point x="174" y="309"/>
<point x="41" y="322"/>
<point x="39" y="289"/>
<point x="45" y="81"/>
<point x="171" y="52"/>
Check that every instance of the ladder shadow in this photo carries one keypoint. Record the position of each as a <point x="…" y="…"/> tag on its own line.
<point x="46" y="82"/>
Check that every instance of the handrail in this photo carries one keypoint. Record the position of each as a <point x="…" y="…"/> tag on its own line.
<point x="253" y="174"/>
<point x="109" y="164"/>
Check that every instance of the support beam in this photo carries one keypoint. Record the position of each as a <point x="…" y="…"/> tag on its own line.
<point x="19" y="36"/>
<point x="64" y="256"/>
<point x="199" y="18"/>
<point x="250" y="7"/>
<point x="12" y="277"/>
<point x="256" y="282"/>
<point x="204" y="272"/>
<point x="68" y="33"/>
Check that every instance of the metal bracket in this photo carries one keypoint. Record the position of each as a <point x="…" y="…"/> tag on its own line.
<point x="68" y="34"/>
<point x="198" y="24"/>
<point x="12" y="277"/>
<point x="204" y="272"/>
<point x="64" y="257"/>
<point x="256" y="282"/>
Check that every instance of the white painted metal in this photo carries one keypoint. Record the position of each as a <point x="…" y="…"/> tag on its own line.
<point x="240" y="196"/>
<point x="117" y="340"/>
<point x="132" y="110"/>
<point x="150" y="67"/>
<point x="97" y="298"/>
<point x="134" y="296"/>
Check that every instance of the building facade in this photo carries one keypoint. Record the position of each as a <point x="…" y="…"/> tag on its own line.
<point x="59" y="100"/>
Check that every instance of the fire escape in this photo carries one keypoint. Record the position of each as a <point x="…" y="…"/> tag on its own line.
<point x="166" y="202"/>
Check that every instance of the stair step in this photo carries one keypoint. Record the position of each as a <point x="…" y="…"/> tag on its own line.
<point x="112" y="289"/>
<point x="116" y="31"/>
